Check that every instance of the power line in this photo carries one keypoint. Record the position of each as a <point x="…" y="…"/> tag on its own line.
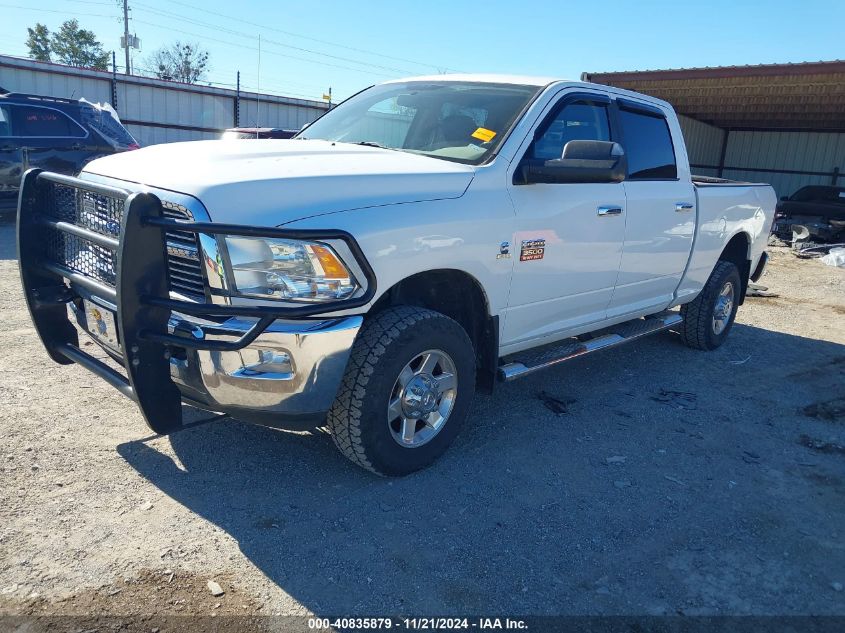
<point x="313" y="39"/>
<point x="170" y="14"/>
<point x="318" y="91"/>
<point x="164" y="13"/>
<point x="97" y="2"/>
<point x="241" y="46"/>
<point x="40" y="10"/>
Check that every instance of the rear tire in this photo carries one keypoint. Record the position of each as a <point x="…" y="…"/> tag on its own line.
<point x="710" y="316"/>
<point x="406" y="392"/>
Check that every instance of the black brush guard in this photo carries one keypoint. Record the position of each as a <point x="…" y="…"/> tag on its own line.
<point x="140" y="292"/>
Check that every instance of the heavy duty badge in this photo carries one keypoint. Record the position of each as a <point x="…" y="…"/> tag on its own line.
<point x="532" y="250"/>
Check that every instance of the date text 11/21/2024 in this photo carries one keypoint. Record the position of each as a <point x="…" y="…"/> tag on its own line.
<point x="417" y="624"/>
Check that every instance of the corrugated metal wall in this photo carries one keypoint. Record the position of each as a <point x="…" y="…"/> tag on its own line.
<point x="704" y="145"/>
<point x="157" y="111"/>
<point x="820" y="152"/>
<point x="762" y="156"/>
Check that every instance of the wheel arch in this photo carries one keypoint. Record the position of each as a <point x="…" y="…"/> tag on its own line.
<point x="738" y="252"/>
<point x="460" y="296"/>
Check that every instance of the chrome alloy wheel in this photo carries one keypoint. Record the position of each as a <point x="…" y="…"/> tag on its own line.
<point x="723" y="309"/>
<point x="422" y="398"/>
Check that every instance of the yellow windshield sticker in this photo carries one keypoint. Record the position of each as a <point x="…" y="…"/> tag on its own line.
<point x="483" y="134"/>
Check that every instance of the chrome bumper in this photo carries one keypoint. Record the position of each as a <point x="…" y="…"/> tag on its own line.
<point x="288" y="377"/>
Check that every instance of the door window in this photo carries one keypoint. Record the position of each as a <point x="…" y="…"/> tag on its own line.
<point x="33" y="122"/>
<point x="576" y="121"/>
<point x="648" y="146"/>
<point x="5" y="125"/>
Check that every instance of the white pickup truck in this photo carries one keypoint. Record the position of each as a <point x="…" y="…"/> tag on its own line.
<point x="423" y="239"/>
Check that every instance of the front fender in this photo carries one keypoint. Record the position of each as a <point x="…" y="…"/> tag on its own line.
<point x="403" y="240"/>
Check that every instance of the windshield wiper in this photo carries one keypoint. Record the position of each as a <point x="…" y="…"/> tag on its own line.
<point x="372" y="144"/>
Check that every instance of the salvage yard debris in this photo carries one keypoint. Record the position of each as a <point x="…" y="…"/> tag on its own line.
<point x="815" y="250"/>
<point x="835" y="257"/>
<point x="756" y="290"/>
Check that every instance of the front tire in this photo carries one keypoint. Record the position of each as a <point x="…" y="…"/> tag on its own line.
<point x="406" y="392"/>
<point x="710" y="316"/>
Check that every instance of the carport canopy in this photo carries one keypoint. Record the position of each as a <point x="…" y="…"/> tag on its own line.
<point x="808" y="96"/>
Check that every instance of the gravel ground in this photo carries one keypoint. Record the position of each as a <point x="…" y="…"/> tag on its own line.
<point x="652" y="479"/>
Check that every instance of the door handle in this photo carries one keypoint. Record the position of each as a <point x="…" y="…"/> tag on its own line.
<point x="608" y="210"/>
<point x="680" y="207"/>
<point x="8" y="148"/>
<point x="76" y="147"/>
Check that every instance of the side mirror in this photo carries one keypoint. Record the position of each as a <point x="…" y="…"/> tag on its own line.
<point x="582" y="161"/>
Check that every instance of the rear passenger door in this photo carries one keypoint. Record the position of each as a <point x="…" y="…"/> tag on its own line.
<point x="51" y="139"/>
<point x="660" y="210"/>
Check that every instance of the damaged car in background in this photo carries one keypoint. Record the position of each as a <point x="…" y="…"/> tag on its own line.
<point x="811" y="218"/>
<point x="59" y="135"/>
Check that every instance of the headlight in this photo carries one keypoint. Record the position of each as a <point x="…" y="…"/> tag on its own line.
<point x="293" y="270"/>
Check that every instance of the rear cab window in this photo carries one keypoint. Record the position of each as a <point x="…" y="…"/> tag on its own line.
<point x="647" y="142"/>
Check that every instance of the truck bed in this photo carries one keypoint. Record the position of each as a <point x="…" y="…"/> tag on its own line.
<point x="712" y="181"/>
<point x="725" y="208"/>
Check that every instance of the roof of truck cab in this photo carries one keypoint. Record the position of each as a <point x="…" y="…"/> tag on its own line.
<point x="523" y="80"/>
<point x="529" y="80"/>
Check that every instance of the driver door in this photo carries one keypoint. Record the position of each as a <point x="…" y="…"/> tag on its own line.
<point x="568" y="243"/>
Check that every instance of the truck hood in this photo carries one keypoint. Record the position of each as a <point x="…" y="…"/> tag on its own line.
<point x="272" y="182"/>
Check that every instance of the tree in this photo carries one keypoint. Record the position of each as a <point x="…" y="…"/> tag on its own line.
<point x="179" y="62"/>
<point x="77" y="47"/>
<point x="38" y="42"/>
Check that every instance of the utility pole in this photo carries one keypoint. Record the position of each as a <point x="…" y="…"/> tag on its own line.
<point x="114" y="81"/>
<point x="126" y="34"/>
<point x="258" y="89"/>
<point x="238" y="101"/>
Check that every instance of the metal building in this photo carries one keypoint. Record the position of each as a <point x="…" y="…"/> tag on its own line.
<point x="779" y="123"/>
<point x="157" y="111"/>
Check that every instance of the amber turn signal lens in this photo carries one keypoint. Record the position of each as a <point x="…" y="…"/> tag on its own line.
<point x="330" y="263"/>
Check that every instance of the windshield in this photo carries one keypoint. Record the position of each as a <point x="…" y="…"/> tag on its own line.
<point x="463" y="122"/>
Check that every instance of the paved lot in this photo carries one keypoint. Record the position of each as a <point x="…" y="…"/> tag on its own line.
<point x="664" y="481"/>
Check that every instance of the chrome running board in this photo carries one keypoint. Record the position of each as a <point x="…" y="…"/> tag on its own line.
<point x="528" y="362"/>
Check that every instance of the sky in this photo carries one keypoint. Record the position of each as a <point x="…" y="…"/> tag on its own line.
<point x="308" y="46"/>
